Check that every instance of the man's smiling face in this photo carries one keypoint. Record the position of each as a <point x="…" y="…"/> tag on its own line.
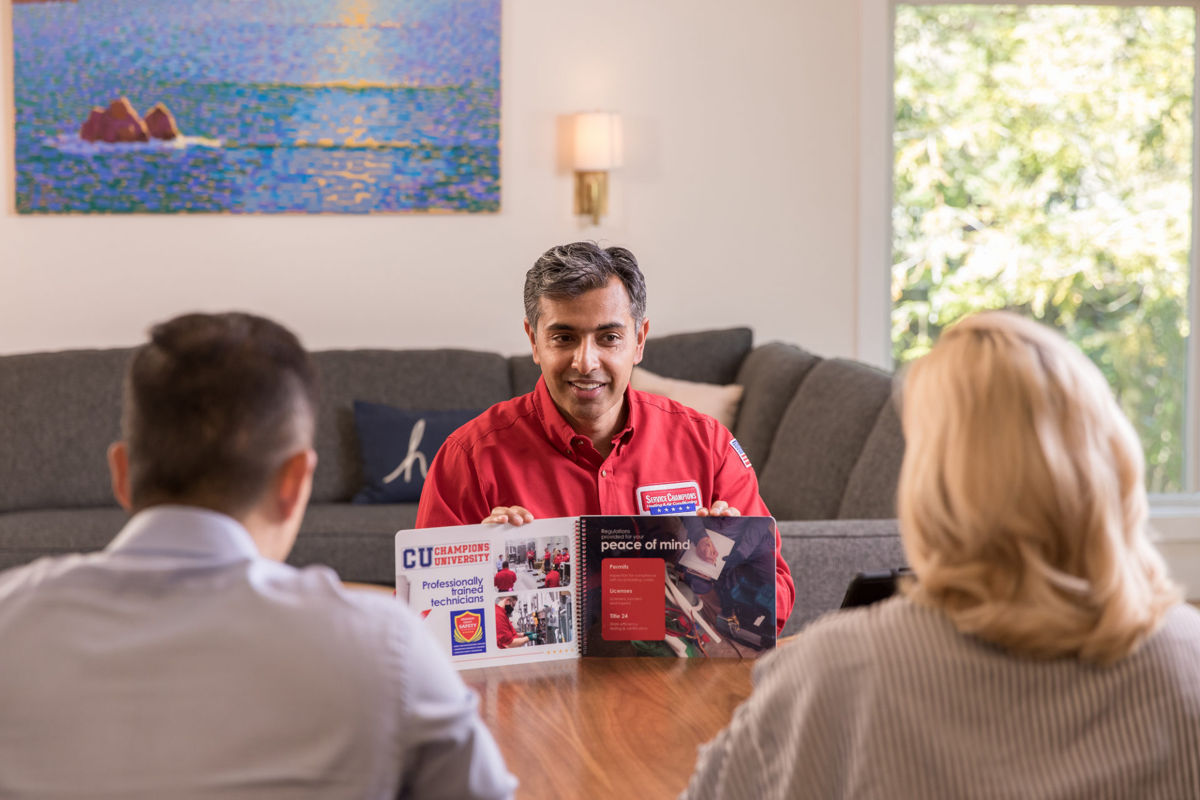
<point x="586" y="347"/>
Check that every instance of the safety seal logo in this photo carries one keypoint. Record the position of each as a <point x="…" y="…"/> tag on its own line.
<point x="468" y="632"/>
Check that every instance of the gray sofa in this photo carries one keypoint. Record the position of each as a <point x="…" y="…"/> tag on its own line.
<point x="822" y="434"/>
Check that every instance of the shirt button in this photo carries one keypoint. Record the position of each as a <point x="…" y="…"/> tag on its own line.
<point x="603" y="473"/>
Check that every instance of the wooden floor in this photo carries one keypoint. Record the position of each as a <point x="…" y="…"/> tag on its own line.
<point x="614" y="728"/>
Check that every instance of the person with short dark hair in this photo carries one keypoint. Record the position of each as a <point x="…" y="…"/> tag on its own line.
<point x="505" y="579"/>
<point x="185" y="660"/>
<point x="1041" y="650"/>
<point x="559" y="556"/>
<point x="583" y="441"/>
<point x="506" y="634"/>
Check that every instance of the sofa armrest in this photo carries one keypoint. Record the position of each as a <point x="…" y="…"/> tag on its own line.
<point x="825" y="554"/>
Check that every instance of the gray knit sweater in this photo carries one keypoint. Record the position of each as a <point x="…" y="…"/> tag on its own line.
<point x="890" y="701"/>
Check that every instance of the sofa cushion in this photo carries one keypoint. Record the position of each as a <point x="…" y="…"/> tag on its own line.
<point x="825" y="554"/>
<point x="357" y="540"/>
<point x="58" y="414"/>
<point x="720" y="402"/>
<point x="770" y="375"/>
<point x="821" y="438"/>
<point x="27" y="535"/>
<point x="871" y="488"/>
<point x="425" y="379"/>
<point x="705" y="356"/>
<point x="397" y="447"/>
<point x="523" y="373"/>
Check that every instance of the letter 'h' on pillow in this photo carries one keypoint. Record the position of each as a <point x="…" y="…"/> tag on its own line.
<point x="397" y="447"/>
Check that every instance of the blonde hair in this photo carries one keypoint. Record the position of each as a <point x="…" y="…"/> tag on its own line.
<point x="1021" y="498"/>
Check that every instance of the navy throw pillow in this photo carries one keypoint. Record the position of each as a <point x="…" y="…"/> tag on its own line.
<point x="397" y="446"/>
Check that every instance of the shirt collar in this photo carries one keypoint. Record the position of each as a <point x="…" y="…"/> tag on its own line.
<point x="187" y="532"/>
<point x="559" y="431"/>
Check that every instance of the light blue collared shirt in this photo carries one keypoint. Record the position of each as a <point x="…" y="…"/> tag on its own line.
<point x="180" y="663"/>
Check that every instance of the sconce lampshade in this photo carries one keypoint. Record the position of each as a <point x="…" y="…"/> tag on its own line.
<point x="597" y="141"/>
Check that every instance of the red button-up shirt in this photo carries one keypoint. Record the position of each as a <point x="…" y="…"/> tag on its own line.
<point x="522" y="452"/>
<point x="505" y="632"/>
<point x="504" y="580"/>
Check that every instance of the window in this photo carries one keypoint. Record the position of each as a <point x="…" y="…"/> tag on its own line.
<point x="1042" y="161"/>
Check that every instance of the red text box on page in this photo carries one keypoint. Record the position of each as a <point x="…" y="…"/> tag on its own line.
<point x="633" y="600"/>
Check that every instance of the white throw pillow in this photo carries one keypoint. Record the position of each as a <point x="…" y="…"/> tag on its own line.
<point x="708" y="398"/>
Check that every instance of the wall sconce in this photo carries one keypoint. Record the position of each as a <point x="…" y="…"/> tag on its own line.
<point x="597" y="150"/>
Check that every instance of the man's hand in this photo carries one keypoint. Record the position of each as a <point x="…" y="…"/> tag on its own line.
<point x="513" y="515"/>
<point x="719" y="509"/>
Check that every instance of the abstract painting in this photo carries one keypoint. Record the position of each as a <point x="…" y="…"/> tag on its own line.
<point x="257" y="106"/>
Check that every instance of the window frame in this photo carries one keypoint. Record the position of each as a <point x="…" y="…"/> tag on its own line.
<point x="876" y="187"/>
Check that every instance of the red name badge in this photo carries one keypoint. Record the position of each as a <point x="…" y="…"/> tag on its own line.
<point x="681" y="497"/>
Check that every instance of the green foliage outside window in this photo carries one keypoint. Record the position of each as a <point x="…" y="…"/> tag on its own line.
<point x="1043" y="159"/>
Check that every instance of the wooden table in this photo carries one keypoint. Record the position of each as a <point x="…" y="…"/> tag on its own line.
<point x="608" y="728"/>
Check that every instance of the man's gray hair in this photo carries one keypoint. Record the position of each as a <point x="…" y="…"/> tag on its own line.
<point x="567" y="271"/>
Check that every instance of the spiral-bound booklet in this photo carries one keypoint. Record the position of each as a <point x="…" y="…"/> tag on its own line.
<point x="679" y="586"/>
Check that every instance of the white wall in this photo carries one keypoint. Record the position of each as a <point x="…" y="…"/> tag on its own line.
<point x="738" y="196"/>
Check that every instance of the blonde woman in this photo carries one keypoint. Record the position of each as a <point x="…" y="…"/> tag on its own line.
<point x="1040" y="652"/>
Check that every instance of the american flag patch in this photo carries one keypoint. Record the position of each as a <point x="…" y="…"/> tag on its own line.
<point x="741" y="453"/>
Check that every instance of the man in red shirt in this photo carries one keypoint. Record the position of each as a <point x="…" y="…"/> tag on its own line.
<point x="552" y="579"/>
<point x="504" y="579"/>
<point x="583" y="442"/>
<point x="506" y="634"/>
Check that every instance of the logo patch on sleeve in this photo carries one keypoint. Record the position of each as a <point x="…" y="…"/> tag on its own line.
<point x="737" y="448"/>
<point x="682" y="497"/>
